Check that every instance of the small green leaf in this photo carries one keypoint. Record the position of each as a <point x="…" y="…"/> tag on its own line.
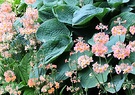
<point x="64" y="13"/>
<point x="53" y="48"/>
<point x="24" y="67"/>
<point x="50" y="29"/>
<point x="29" y="91"/>
<point x="117" y="81"/>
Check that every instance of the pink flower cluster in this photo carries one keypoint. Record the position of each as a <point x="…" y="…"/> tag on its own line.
<point x="131" y="45"/>
<point x="29" y="1"/>
<point x="9" y="76"/>
<point x="29" y="25"/>
<point x="7" y="18"/>
<point x="123" y="67"/>
<point x="99" y="50"/>
<point x="102" y="27"/>
<point x="80" y="46"/>
<point x="121" y="50"/>
<point x="84" y="61"/>
<point x="132" y="29"/>
<point x="101" y="38"/>
<point x="98" y="68"/>
<point x="119" y="30"/>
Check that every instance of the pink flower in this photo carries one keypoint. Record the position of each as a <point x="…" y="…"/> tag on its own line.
<point x="9" y="76"/>
<point x="101" y="37"/>
<point x="119" y="30"/>
<point x="29" y="1"/>
<point x="120" y="50"/>
<point x="84" y="61"/>
<point x="131" y="45"/>
<point x="101" y="26"/>
<point x="80" y="46"/>
<point x="6" y="7"/>
<point x="99" y="50"/>
<point x="132" y="29"/>
<point x="98" y="68"/>
<point x="123" y="67"/>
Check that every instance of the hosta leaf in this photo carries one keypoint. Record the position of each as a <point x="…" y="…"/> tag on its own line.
<point x="53" y="48"/>
<point x="50" y="29"/>
<point x="116" y="3"/>
<point x="45" y="13"/>
<point x="117" y="81"/>
<point x="50" y="2"/>
<point x="128" y="16"/>
<point x="62" y="67"/>
<point x="36" y="71"/>
<point x="85" y="14"/>
<point x="90" y="79"/>
<point x="72" y="2"/>
<point x="37" y="4"/>
<point x="64" y="13"/>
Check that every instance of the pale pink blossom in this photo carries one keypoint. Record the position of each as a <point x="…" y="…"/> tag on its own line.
<point x="119" y="30"/>
<point x="132" y="29"/>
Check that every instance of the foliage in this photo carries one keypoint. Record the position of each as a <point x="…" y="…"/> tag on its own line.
<point x="67" y="47"/>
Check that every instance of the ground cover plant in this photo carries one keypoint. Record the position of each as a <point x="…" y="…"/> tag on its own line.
<point x="67" y="47"/>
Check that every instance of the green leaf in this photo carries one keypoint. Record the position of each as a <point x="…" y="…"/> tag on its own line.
<point x="88" y="81"/>
<point x="53" y="48"/>
<point x="116" y="3"/>
<point x="132" y="57"/>
<point x="117" y="81"/>
<point x="29" y="91"/>
<point x="24" y="67"/>
<point x="71" y="2"/>
<point x="50" y="29"/>
<point x="113" y="40"/>
<point x="45" y="13"/>
<point x="64" y="13"/>
<point x="128" y="16"/>
<point x="85" y="14"/>
<point x="62" y="67"/>
<point x="50" y="2"/>
<point x="36" y="71"/>
<point x="37" y="4"/>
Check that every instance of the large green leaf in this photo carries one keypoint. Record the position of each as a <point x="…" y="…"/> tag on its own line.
<point x="62" y="67"/>
<point x="72" y="2"/>
<point x="53" y="48"/>
<point x="85" y="14"/>
<point x="50" y="29"/>
<point x="128" y="16"/>
<point x="117" y="81"/>
<point x="50" y="2"/>
<point x="64" y="13"/>
<point x="90" y="79"/>
<point x="116" y="3"/>
<point x="45" y="13"/>
<point x="24" y="67"/>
